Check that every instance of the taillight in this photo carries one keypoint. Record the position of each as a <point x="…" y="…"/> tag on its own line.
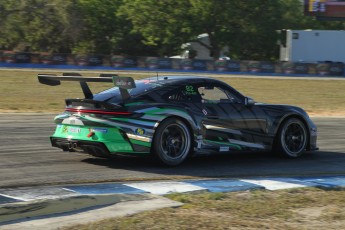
<point x="97" y="111"/>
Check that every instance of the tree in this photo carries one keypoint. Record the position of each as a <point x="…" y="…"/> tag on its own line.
<point x="100" y="25"/>
<point x="39" y="25"/>
<point x="151" y="27"/>
<point x="106" y="31"/>
<point x="248" y="28"/>
<point x="227" y="23"/>
<point x="163" y="24"/>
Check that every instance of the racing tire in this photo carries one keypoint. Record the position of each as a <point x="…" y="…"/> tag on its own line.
<point x="172" y="142"/>
<point x="291" y="140"/>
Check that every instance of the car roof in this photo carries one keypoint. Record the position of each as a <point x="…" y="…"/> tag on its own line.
<point x="176" y="79"/>
<point x="182" y="80"/>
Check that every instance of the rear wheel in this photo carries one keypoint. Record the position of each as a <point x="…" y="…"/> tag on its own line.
<point x="291" y="140"/>
<point x="172" y="142"/>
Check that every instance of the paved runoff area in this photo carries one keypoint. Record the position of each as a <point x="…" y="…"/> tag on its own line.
<point x="33" y="208"/>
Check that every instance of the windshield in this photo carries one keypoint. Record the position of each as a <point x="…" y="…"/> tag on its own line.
<point x="113" y="95"/>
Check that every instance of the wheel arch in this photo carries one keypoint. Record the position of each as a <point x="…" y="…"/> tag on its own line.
<point x="289" y="116"/>
<point x="191" y="127"/>
<point x="156" y="148"/>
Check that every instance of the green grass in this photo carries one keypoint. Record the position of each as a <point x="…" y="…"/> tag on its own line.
<point x="307" y="208"/>
<point x="21" y="92"/>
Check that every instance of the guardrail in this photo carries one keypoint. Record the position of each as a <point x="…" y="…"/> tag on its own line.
<point x="93" y="61"/>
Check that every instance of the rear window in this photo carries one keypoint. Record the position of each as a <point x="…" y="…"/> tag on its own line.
<point x="113" y="95"/>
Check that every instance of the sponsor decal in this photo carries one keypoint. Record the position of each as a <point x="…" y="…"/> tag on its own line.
<point x="151" y="62"/>
<point x="65" y="129"/>
<point x="74" y="130"/>
<point x="220" y="65"/>
<point x="313" y="132"/>
<point x="117" y="61"/>
<point x="99" y="130"/>
<point x="124" y="82"/>
<point x="186" y="64"/>
<point x="199" y="142"/>
<point x="254" y="67"/>
<point x="140" y="131"/>
<point x="224" y="148"/>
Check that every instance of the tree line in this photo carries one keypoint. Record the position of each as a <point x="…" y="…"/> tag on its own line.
<point x="152" y="27"/>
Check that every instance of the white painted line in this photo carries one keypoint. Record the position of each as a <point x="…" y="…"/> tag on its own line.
<point x="30" y="194"/>
<point x="161" y="188"/>
<point x="274" y="185"/>
<point x="69" y="190"/>
<point x="14" y="197"/>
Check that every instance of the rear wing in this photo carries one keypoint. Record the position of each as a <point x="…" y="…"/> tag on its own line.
<point x="124" y="83"/>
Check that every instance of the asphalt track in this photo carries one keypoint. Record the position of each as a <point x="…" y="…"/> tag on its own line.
<point x="27" y="159"/>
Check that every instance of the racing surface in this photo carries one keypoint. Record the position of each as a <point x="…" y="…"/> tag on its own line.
<point x="27" y="158"/>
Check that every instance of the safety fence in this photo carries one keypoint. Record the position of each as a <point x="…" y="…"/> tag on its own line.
<point x="56" y="60"/>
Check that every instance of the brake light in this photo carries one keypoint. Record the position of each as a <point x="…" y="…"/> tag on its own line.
<point x="97" y="111"/>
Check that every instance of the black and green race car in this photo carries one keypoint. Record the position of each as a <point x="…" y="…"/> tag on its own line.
<point x="172" y="117"/>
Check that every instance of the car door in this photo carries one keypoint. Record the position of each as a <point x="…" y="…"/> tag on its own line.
<point x="228" y="122"/>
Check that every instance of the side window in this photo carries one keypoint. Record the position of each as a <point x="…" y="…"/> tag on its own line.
<point x="215" y="95"/>
<point x="187" y="93"/>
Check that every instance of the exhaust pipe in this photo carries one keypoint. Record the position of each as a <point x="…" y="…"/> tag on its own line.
<point x="72" y="145"/>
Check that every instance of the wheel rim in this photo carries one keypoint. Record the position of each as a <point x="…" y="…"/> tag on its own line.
<point x="174" y="141"/>
<point x="294" y="138"/>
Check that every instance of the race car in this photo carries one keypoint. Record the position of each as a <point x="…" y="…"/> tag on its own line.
<point x="173" y="117"/>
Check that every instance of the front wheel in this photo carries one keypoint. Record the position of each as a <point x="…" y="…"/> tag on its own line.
<point x="291" y="140"/>
<point x="172" y="142"/>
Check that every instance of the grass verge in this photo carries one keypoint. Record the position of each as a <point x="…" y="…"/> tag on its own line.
<point x="307" y="208"/>
<point x="21" y="92"/>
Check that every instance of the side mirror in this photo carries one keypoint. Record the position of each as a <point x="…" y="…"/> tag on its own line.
<point x="249" y="101"/>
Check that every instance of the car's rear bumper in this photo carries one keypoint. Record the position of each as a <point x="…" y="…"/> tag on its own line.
<point x="95" y="148"/>
<point x="90" y="147"/>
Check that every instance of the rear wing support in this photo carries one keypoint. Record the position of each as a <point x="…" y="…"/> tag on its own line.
<point x="124" y="83"/>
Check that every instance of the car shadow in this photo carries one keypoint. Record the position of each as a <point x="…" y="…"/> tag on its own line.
<point x="233" y="165"/>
